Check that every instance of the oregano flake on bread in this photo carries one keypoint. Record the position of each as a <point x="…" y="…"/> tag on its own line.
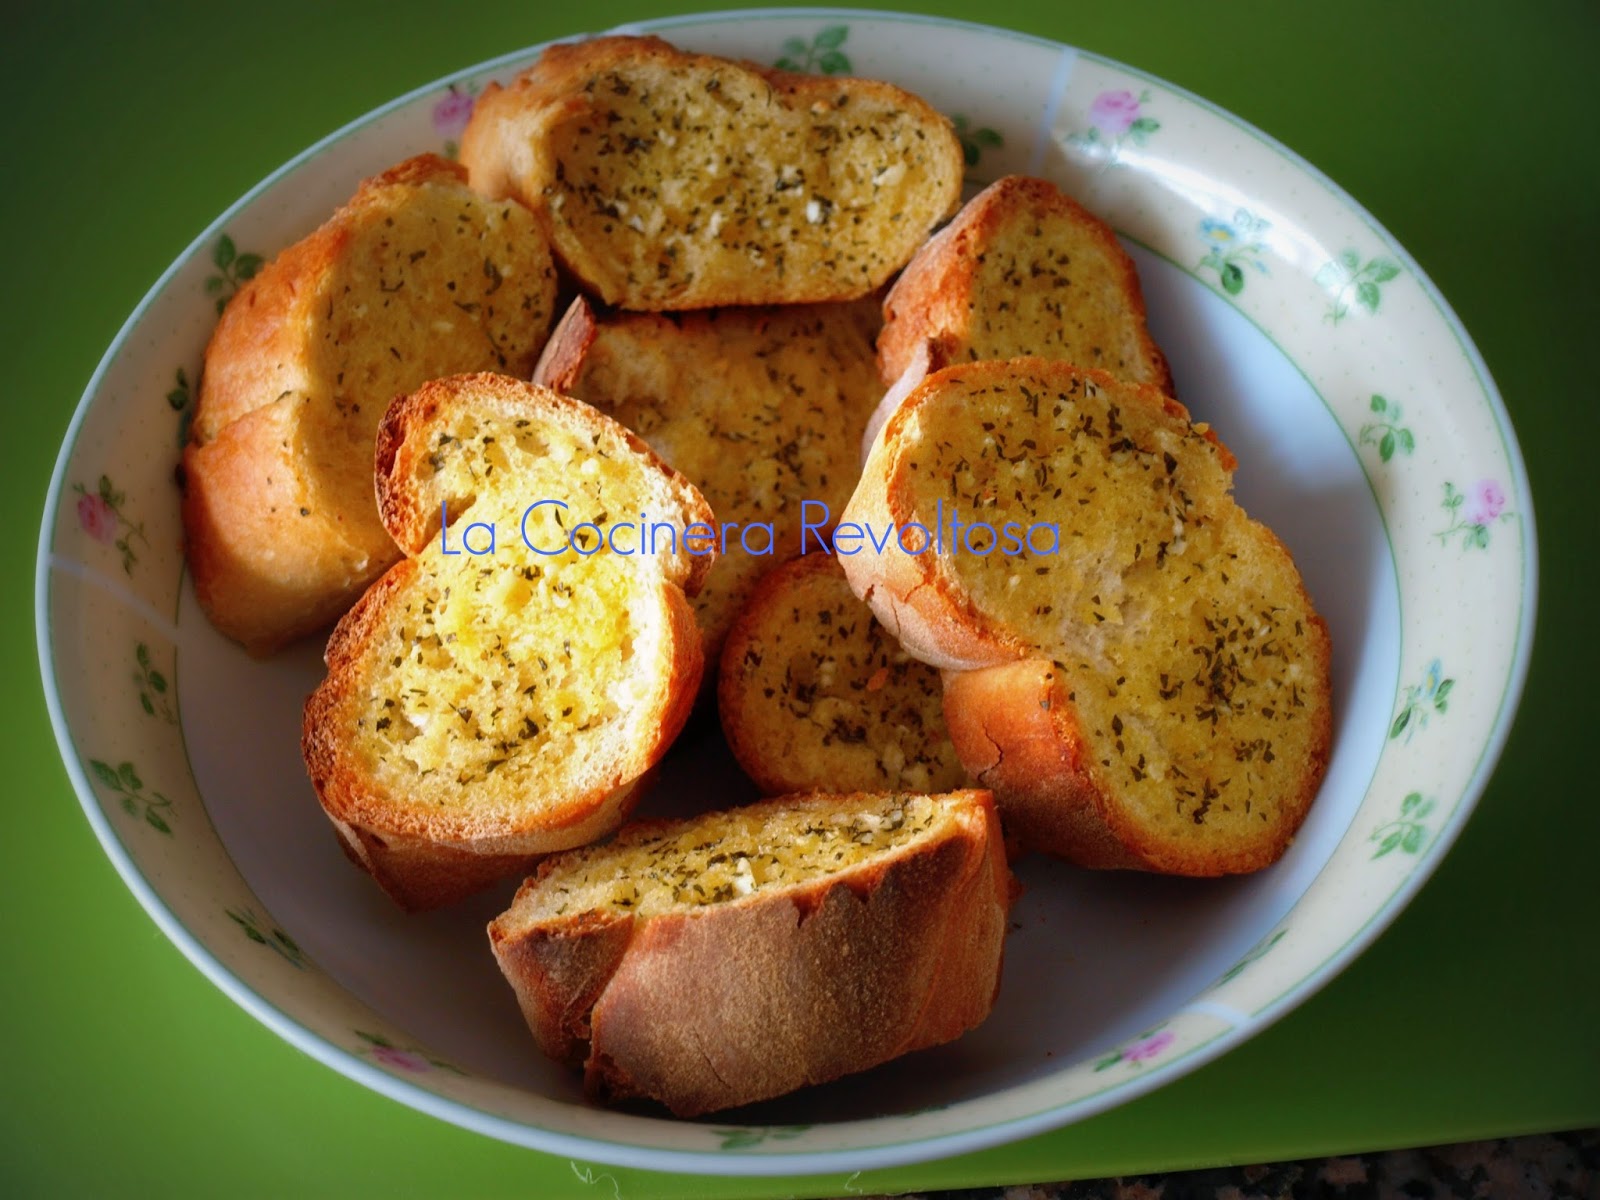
<point x="416" y="277"/>
<point x="669" y="180"/>
<point x="1022" y="270"/>
<point x="740" y="955"/>
<point x="816" y="695"/>
<point x="1158" y="690"/>
<point x="481" y="710"/>
<point x="762" y="408"/>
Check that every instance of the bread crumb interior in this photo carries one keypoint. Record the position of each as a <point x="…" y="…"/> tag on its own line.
<point x="1046" y="286"/>
<point x="729" y="855"/>
<point x="442" y="283"/>
<point x="832" y="699"/>
<point x="1182" y="639"/>
<point x="773" y="416"/>
<point x="507" y="665"/>
<point x="682" y="174"/>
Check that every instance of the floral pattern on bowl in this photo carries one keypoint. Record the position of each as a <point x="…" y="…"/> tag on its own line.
<point x="1116" y="117"/>
<point x="1231" y="246"/>
<point x="451" y="114"/>
<point x="202" y="829"/>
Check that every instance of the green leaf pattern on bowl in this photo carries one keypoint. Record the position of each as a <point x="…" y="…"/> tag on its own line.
<point x="1255" y="955"/>
<point x="821" y="55"/>
<point x="412" y="1060"/>
<point x="123" y="781"/>
<point x="743" y="1137"/>
<point x="1473" y="513"/>
<point x="1385" y="431"/>
<point x="268" y="935"/>
<point x="1143" y="1049"/>
<point x="1351" y="282"/>
<point x="1117" y="117"/>
<point x="101" y="515"/>
<point x="155" y="696"/>
<point x="1407" y="832"/>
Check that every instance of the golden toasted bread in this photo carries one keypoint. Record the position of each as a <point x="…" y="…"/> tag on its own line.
<point x="502" y="691"/>
<point x="668" y="180"/>
<point x="1153" y="681"/>
<point x="1023" y="269"/>
<point x="762" y="409"/>
<point x="416" y="277"/>
<point x="815" y="695"/>
<point x="737" y="956"/>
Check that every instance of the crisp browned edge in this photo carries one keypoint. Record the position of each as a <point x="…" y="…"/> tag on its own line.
<point x="929" y="301"/>
<point x="909" y="594"/>
<point x="1017" y="734"/>
<point x="581" y="981"/>
<point x="561" y="363"/>
<point x="914" y="597"/>
<point x="504" y="156"/>
<point x="918" y="366"/>
<point x="1011" y="732"/>
<point x="240" y="508"/>
<point x="426" y="859"/>
<point x="402" y="446"/>
<point x="265" y="574"/>
<point x="257" y="331"/>
<point x="558" y="975"/>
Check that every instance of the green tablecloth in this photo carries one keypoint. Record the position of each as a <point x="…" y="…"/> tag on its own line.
<point x="1466" y="129"/>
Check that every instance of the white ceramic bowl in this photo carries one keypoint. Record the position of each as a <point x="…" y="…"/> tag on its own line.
<point x="1369" y="434"/>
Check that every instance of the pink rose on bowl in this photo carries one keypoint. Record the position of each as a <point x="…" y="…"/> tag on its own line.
<point x="1485" y="502"/>
<point x="450" y="115"/>
<point x="404" y="1060"/>
<point x="99" y="519"/>
<point x="1113" y="112"/>
<point x="1149" y="1047"/>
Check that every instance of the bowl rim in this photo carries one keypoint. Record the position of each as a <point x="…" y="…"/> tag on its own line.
<point x="769" y="1163"/>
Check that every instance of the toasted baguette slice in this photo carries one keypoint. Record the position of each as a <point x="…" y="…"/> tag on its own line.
<point x="1187" y="714"/>
<point x="414" y="278"/>
<point x="1022" y="270"/>
<point x="669" y="180"/>
<point x="815" y="695"/>
<point x="481" y="710"/>
<point x="740" y="955"/>
<point x="761" y="408"/>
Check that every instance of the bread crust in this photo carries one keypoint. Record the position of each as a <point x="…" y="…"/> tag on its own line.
<point x="272" y="559"/>
<point x="424" y="857"/>
<point x="805" y="983"/>
<point x="561" y="362"/>
<point x="267" y="565"/>
<point x="402" y="449"/>
<point x="1009" y="711"/>
<point x="1017" y="734"/>
<point x="913" y="595"/>
<point x="424" y="860"/>
<point x="255" y="351"/>
<point x="931" y="301"/>
<point x="559" y="974"/>
<point x="507" y="148"/>
<point x="909" y="593"/>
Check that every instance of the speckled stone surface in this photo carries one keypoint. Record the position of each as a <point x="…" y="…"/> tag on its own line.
<point x="1560" y="1166"/>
